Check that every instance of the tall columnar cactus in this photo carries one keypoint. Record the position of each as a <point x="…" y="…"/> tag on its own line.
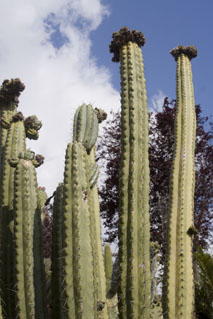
<point x="85" y="130"/>
<point x="9" y="93"/>
<point x="78" y="262"/>
<point x="28" y="279"/>
<point x="57" y="251"/>
<point x="134" y="225"/>
<point x="178" y="285"/>
<point x="15" y="143"/>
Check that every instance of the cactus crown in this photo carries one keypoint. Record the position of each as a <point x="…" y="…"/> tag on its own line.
<point x="122" y="37"/>
<point x="10" y="91"/>
<point x="18" y="117"/>
<point x="190" y="51"/>
<point x="32" y="122"/>
<point x="101" y="115"/>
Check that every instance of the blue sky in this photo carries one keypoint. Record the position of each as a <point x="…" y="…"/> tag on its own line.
<point x="60" y="50"/>
<point x="165" y="24"/>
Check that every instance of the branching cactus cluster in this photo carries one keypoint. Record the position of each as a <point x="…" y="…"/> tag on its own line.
<point x="82" y="285"/>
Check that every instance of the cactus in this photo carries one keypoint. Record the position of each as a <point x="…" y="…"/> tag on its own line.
<point x="112" y="300"/>
<point x="134" y="233"/>
<point x="9" y="93"/>
<point x="108" y="266"/>
<point x="95" y="230"/>
<point x="42" y="197"/>
<point x="78" y="277"/>
<point x="57" y="248"/>
<point x="78" y="262"/>
<point x="178" y="284"/>
<point x="28" y="289"/>
<point x="15" y="144"/>
<point x="85" y="130"/>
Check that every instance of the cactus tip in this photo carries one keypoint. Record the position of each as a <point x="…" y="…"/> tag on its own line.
<point x="101" y="115"/>
<point x="10" y="90"/>
<point x="18" y="117"/>
<point x="190" y="51"/>
<point x="122" y="37"/>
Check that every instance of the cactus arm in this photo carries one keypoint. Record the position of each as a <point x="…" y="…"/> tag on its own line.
<point x="79" y="124"/>
<point x="134" y="237"/>
<point x="179" y="302"/>
<point x="85" y="126"/>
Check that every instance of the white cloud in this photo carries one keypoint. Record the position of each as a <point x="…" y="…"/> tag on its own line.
<point x="157" y="101"/>
<point x="57" y="80"/>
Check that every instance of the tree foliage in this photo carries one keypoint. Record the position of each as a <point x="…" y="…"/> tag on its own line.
<point x="203" y="285"/>
<point x="160" y="155"/>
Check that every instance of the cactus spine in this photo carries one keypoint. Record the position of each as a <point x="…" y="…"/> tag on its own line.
<point x="134" y="236"/>
<point x="178" y="285"/>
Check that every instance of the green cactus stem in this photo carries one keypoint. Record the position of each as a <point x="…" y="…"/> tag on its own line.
<point x="78" y="262"/>
<point x="96" y="243"/>
<point x="108" y="266"/>
<point x="178" y="284"/>
<point x="85" y="130"/>
<point x="93" y="174"/>
<point x="28" y="289"/>
<point x="85" y="126"/>
<point x="134" y="226"/>
<point x="15" y="143"/>
<point x="57" y="248"/>
<point x="42" y="197"/>
<point x="9" y="93"/>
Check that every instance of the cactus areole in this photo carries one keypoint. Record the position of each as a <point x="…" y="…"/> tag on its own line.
<point x="134" y="232"/>
<point x="178" y="286"/>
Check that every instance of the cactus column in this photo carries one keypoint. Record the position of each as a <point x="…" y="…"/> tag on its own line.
<point x="134" y="226"/>
<point x="28" y="288"/>
<point x="178" y="285"/>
